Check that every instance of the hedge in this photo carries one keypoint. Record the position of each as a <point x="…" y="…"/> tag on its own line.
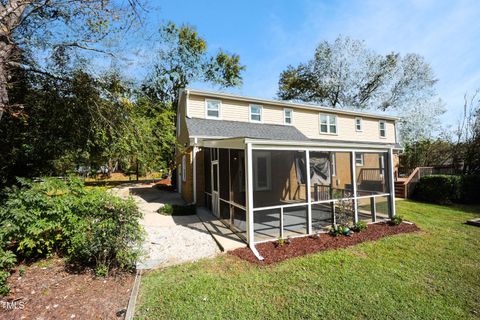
<point x="445" y="189"/>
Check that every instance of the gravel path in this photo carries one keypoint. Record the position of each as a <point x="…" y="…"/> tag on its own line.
<point x="170" y="240"/>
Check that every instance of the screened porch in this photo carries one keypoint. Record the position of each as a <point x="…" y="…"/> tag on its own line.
<point x="265" y="191"/>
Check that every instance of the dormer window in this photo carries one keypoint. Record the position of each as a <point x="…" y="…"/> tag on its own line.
<point x="382" y="129"/>
<point x="212" y="109"/>
<point x="255" y="113"/>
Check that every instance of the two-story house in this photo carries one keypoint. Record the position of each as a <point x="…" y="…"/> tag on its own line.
<point x="273" y="169"/>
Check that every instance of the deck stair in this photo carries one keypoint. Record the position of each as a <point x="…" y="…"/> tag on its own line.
<point x="404" y="187"/>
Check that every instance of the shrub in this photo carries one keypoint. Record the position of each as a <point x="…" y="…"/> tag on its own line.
<point x="91" y="228"/>
<point x="359" y="226"/>
<point x="339" y="230"/>
<point x="396" y="220"/>
<point x="441" y="189"/>
<point x="470" y="189"/>
<point x="177" y="210"/>
<point x="7" y="261"/>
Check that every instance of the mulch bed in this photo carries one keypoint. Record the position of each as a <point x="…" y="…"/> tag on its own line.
<point x="272" y="253"/>
<point x="47" y="291"/>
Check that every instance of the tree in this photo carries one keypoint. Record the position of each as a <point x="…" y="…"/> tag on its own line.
<point x="467" y="135"/>
<point x="346" y="74"/>
<point x="183" y="58"/>
<point x="56" y="28"/>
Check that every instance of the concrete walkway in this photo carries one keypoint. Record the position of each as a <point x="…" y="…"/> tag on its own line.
<point x="170" y="240"/>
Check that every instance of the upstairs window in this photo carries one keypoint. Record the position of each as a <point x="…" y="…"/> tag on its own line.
<point x="358" y="124"/>
<point x="213" y="109"/>
<point x="328" y="123"/>
<point x="382" y="128"/>
<point x="287" y="116"/>
<point x="255" y="113"/>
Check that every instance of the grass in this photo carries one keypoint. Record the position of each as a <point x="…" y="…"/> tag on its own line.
<point x="434" y="274"/>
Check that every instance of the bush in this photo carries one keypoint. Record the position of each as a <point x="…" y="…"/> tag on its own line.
<point x="441" y="189"/>
<point x="91" y="228"/>
<point x="396" y="220"/>
<point x="470" y="189"/>
<point x="7" y="261"/>
<point x="177" y="210"/>
<point x="359" y="226"/>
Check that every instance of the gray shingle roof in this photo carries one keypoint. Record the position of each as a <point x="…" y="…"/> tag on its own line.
<point x="237" y="129"/>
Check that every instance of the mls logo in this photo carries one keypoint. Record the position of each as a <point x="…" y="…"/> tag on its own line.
<point x="13" y="305"/>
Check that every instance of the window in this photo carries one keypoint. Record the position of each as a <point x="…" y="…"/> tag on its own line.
<point x="334" y="165"/>
<point x="359" y="159"/>
<point x="287" y="116"/>
<point x="262" y="171"/>
<point x="328" y="123"/>
<point x="358" y="124"/>
<point x="382" y="128"/>
<point x="255" y="113"/>
<point x="184" y="169"/>
<point x="212" y="109"/>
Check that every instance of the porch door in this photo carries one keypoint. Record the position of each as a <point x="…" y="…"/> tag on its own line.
<point x="215" y="183"/>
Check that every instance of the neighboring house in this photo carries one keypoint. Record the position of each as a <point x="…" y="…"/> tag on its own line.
<point x="273" y="169"/>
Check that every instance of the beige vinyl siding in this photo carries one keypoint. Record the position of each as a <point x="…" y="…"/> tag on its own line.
<point x="307" y="121"/>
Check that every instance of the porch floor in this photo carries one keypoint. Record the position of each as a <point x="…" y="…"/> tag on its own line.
<point x="226" y="239"/>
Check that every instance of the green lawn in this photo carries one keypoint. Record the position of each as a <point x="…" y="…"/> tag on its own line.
<point x="434" y="274"/>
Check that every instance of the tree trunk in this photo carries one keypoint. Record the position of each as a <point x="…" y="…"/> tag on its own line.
<point x="5" y="51"/>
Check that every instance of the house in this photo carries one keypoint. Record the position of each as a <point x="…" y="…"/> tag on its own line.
<point x="272" y="169"/>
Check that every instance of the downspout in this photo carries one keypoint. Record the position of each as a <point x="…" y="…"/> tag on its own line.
<point x="249" y="185"/>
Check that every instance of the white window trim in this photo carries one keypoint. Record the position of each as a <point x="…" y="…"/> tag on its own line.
<point x="285" y="116"/>
<point x="250" y="113"/>
<point x="260" y="154"/>
<point x="219" y="109"/>
<point x="361" y="124"/>
<point x="334" y="165"/>
<point x="361" y="158"/>
<point x="384" y="129"/>
<point x="328" y="124"/>
<point x="184" y="168"/>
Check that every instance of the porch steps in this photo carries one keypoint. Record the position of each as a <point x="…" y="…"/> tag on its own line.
<point x="400" y="189"/>
<point x="226" y="239"/>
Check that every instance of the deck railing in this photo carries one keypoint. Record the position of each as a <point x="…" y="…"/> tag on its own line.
<point x="414" y="177"/>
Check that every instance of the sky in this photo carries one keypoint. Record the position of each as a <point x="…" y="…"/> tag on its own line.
<point x="270" y="35"/>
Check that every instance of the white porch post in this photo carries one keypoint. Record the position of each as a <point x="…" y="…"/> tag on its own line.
<point x="309" y="194"/>
<point x="392" y="211"/>
<point x="354" y="186"/>
<point x="194" y="159"/>
<point x="249" y="193"/>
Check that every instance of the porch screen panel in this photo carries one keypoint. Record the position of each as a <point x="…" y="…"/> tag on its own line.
<point x="207" y="169"/>
<point x="266" y="224"/>
<point x="207" y="163"/>
<point x="223" y="161"/>
<point x="372" y="173"/>
<point x="237" y="177"/>
<point x="322" y="216"/>
<point x="330" y="175"/>
<point x="295" y="221"/>
<point x="239" y="219"/>
<point x="279" y="178"/>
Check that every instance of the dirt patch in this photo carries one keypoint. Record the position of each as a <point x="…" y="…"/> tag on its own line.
<point x="46" y="291"/>
<point x="273" y="253"/>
